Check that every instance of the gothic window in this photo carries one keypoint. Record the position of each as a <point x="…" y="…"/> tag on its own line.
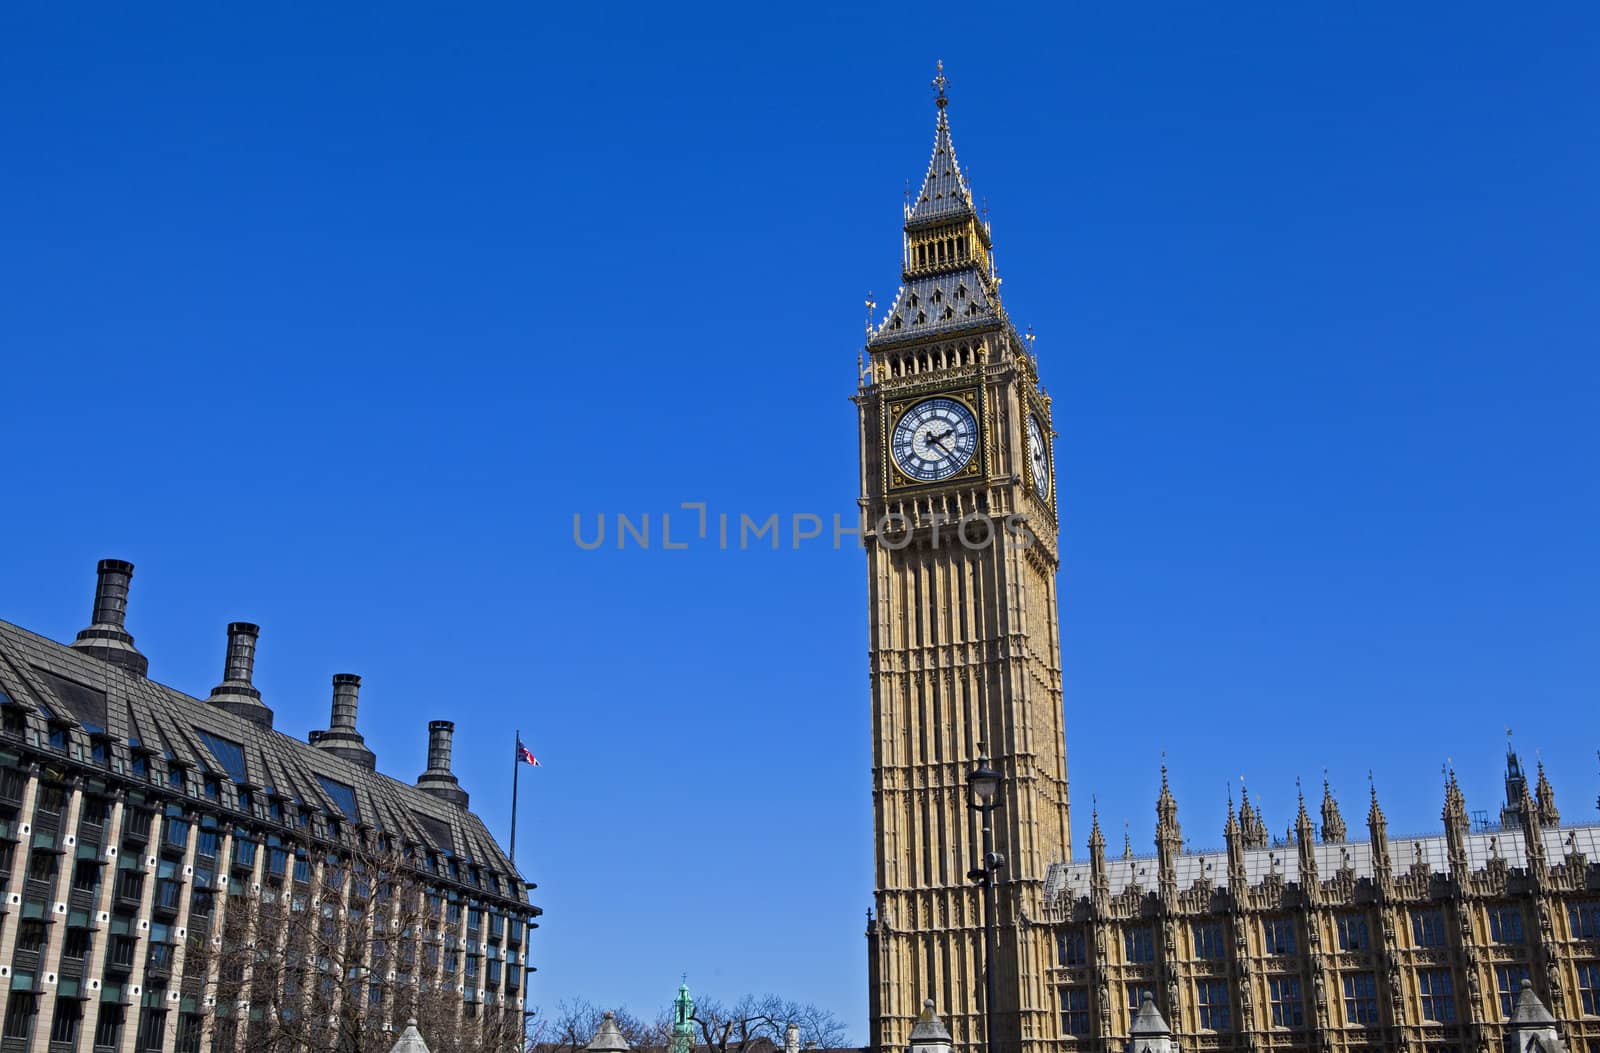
<point x="1589" y="987"/>
<point x="1427" y="928"/>
<point x="1071" y="947"/>
<point x="1288" y="1008"/>
<point x="1353" y="933"/>
<point x="1208" y="941"/>
<point x="1585" y="920"/>
<point x="1075" y="1010"/>
<point x="949" y="312"/>
<point x="922" y="316"/>
<point x="1139" y="944"/>
<point x="961" y="291"/>
<point x="938" y="296"/>
<point x="1360" y="998"/>
<point x="1136" y="997"/>
<point x="1508" y="979"/>
<point x="1278" y="935"/>
<point x="1505" y="924"/>
<point x="1438" y="995"/>
<point x="1212" y="998"/>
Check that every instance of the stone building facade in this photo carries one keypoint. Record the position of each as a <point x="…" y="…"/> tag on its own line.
<point x="1321" y="941"/>
<point x="141" y="828"/>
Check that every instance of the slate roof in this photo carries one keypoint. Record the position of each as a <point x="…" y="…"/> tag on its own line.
<point x="1073" y="879"/>
<point x="944" y="192"/>
<point x="937" y="304"/>
<point x="97" y="698"/>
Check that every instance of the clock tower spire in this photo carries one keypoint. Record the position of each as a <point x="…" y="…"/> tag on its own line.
<point x="958" y="494"/>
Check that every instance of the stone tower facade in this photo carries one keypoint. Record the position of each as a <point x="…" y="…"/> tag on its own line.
<point x="957" y="492"/>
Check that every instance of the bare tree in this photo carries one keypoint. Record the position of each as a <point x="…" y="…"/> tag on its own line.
<point x="338" y="953"/>
<point x="757" y="1023"/>
<point x="575" y="1023"/>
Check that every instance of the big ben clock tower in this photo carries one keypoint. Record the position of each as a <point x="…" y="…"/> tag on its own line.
<point x="958" y="495"/>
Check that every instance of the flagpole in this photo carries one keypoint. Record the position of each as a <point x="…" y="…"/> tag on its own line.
<point x="516" y="770"/>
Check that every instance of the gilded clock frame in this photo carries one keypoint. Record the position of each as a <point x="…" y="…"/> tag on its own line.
<point x="891" y="409"/>
<point x="1037" y="408"/>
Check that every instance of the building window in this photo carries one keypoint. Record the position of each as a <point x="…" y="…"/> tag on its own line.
<point x="1505" y="924"/>
<point x="1278" y="935"/>
<point x="189" y="1031"/>
<point x="1585" y="920"/>
<point x="1360" y="998"/>
<point x="108" y="1028"/>
<point x="1139" y="944"/>
<point x="1212" y="997"/>
<point x="1136" y="997"/>
<point x="1074" y="1009"/>
<point x="31" y="933"/>
<point x="1071" y="947"/>
<point x="64" y="1027"/>
<point x="1427" y="928"/>
<point x="1589" y="987"/>
<point x="77" y="944"/>
<point x="1438" y="995"/>
<point x="1508" y="978"/>
<point x="1353" y="933"/>
<point x="42" y="865"/>
<point x="1208" y="941"/>
<point x="1288" y="1009"/>
<point x="19" y="1015"/>
<point x="175" y="778"/>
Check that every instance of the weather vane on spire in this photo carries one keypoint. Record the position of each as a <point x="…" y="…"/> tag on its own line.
<point x="940" y="83"/>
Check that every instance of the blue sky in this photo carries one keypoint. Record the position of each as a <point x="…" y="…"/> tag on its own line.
<point x="332" y="320"/>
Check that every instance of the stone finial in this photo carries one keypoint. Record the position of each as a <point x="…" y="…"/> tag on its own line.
<point x="1150" y="1033"/>
<point x="107" y="637"/>
<point x="608" y="1037"/>
<point x="1532" y="1028"/>
<point x="929" y="1035"/>
<point x="410" y="1040"/>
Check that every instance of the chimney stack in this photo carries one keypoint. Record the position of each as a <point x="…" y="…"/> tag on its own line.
<point x="342" y="739"/>
<point x="236" y="693"/>
<point x="439" y="780"/>
<point x="106" y="638"/>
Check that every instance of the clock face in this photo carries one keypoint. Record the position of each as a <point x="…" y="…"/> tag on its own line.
<point x="934" y="439"/>
<point x="1038" y="457"/>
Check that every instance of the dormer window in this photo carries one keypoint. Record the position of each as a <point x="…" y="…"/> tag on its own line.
<point x="175" y="777"/>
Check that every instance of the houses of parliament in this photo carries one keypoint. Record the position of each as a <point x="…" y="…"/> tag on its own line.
<point x="1336" y="938"/>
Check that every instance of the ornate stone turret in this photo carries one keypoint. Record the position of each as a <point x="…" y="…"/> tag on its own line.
<point x="1305" y="838"/>
<point x="1516" y="787"/>
<point x="107" y="638"/>
<point x="1251" y="825"/>
<point x="1378" y="833"/>
<point x="1099" y="880"/>
<point x="1455" y="828"/>
<point x="237" y="693"/>
<point x="1531" y="1028"/>
<point x="929" y="1035"/>
<point x="1231" y="832"/>
<point x="1169" y="842"/>
<point x="1150" y="1033"/>
<point x="1545" y="798"/>
<point x="1333" y="828"/>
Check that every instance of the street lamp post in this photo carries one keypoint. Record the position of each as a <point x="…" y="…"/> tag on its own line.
<point x="983" y="797"/>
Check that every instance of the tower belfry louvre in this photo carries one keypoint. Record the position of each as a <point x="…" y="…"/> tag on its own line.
<point x="958" y="491"/>
<point x="1481" y="937"/>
